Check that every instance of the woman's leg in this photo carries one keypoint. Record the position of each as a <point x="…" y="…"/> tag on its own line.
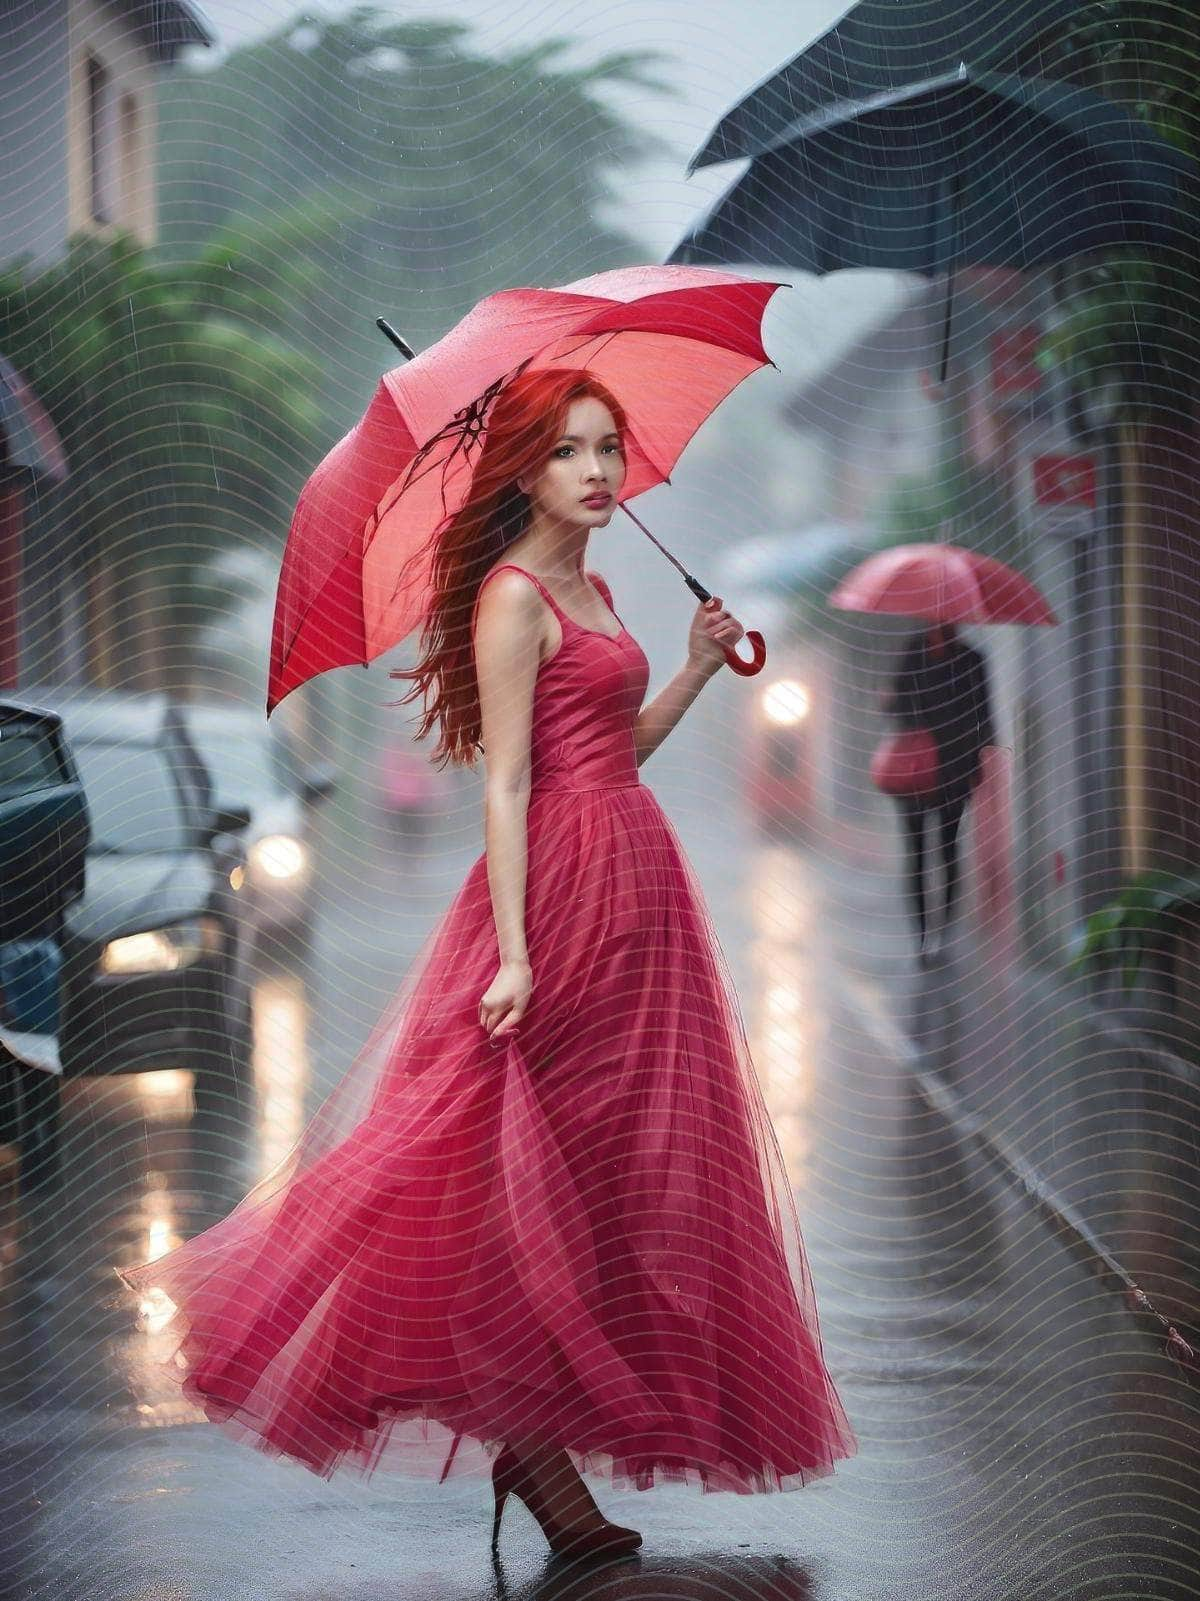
<point x="913" y="813"/>
<point x="950" y="813"/>
<point x="558" y="1486"/>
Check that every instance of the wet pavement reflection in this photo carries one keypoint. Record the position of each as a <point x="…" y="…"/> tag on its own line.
<point x="1019" y="1437"/>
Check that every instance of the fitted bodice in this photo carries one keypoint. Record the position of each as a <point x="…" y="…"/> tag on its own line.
<point x="586" y="700"/>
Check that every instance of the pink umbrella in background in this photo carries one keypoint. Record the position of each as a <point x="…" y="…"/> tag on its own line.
<point x="670" y="342"/>
<point x="945" y="584"/>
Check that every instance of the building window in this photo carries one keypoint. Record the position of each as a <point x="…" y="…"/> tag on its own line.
<point x="130" y="164"/>
<point x="101" y="152"/>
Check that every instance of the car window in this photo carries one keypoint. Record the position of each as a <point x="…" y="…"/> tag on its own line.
<point x="132" y="797"/>
<point x="27" y="761"/>
<point x="286" y="765"/>
<point x="240" y="766"/>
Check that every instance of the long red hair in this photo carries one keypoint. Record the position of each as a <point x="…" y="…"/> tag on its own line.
<point x="527" y="417"/>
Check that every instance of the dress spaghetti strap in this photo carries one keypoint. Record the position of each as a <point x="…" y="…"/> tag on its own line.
<point x="537" y="584"/>
<point x="564" y="618"/>
<point x="487" y="577"/>
<point x="533" y="579"/>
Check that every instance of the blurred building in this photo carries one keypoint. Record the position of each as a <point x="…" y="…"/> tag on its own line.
<point x="869" y="414"/>
<point x="1091" y="1085"/>
<point x="1088" y="1091"/>
<point x="78" y="134"/>
<point x="871" y="424"/>
<point x="78" y="87"/>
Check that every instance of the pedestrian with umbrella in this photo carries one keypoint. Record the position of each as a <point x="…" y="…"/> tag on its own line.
<point x="542" y="1227"/>
<point x="940" y="695"/>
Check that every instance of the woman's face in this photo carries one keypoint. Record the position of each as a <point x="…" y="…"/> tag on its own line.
<point x="583" y="473"/>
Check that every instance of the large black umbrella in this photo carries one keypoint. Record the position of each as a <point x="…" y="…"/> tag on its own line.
<point x="970" y="166"/>
<point x="879" y="46"/>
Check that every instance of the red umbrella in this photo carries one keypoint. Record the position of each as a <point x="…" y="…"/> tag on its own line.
<point x="943" y="583"/>
<point x="32" y="439"/>
<point x="670" y="342"/>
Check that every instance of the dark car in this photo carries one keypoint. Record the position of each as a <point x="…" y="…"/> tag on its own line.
<point x="154" y="973"/>
<point x="252" y="765"/>
<point x="43" y="839"/>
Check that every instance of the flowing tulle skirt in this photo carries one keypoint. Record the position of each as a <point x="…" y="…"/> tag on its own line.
<point x="585" y="1236"/>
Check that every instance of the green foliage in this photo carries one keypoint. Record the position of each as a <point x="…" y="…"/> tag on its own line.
<point x="456" y="174"/>
<point x="810" y="583"/>
<point x="953" y="501"/>
<point x="1133" y="320"/>
<point x="334" y="172"/>
<point x="917" y="504"/>
<point x="1142" y="53"/>
<point x="1150" y="908"/>
<point x="187" y="425"/>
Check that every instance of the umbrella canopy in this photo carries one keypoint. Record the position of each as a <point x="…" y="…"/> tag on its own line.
<point x="31" y="438"/>
<point x="971" y="166"/>
<point x="880" y="46"/>
<point x="669" y="342"/>
<point x="945" y="584"/>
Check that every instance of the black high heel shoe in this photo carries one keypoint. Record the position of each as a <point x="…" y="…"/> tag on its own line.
<point x="510" y="1476"/>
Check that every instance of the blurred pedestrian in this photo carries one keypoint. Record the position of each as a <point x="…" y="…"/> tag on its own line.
<point x="940" y="689"/>
<point x="409" y="789"/>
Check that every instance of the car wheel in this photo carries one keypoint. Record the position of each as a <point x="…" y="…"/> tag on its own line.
<point x="10" y="1102"/>
<point x="33" y="1116"/>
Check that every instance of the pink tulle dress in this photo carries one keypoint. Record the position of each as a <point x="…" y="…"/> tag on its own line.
<point x="586" y="1235"/>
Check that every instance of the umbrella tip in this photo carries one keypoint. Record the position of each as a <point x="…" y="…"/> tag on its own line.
<point x="402" y="345"/>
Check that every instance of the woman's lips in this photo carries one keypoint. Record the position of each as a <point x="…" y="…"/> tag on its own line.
<point x="596" y="500"/>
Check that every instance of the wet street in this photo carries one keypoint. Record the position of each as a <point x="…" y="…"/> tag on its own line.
<point x="1019" y="1437"/>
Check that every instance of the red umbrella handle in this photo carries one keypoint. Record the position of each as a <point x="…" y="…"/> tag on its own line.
<point x="755" y="665"/>
<point x="758" y="646"/>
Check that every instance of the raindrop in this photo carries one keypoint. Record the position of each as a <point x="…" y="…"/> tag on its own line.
<point x="133" y="329"/>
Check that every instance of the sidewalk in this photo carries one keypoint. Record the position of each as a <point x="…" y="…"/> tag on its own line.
<point x="985" y="1040"/>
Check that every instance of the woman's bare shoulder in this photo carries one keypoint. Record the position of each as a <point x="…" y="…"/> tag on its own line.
<point x="508" y="606"/>
<point x="510" y="590"/>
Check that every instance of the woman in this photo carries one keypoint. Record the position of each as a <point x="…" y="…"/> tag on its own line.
<point x="544" y="1219"/>
<point x="941" y="685"/>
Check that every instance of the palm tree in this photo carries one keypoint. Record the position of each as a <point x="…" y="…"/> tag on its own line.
<point x="188" y="424"/>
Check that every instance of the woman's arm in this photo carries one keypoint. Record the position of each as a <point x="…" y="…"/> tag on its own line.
<point x="712" y="628"/>
<point x="507" y="656"/>
<point x="656" y="720"/>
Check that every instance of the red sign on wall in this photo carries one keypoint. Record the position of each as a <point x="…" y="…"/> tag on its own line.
<point x="1064" y="480"/>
